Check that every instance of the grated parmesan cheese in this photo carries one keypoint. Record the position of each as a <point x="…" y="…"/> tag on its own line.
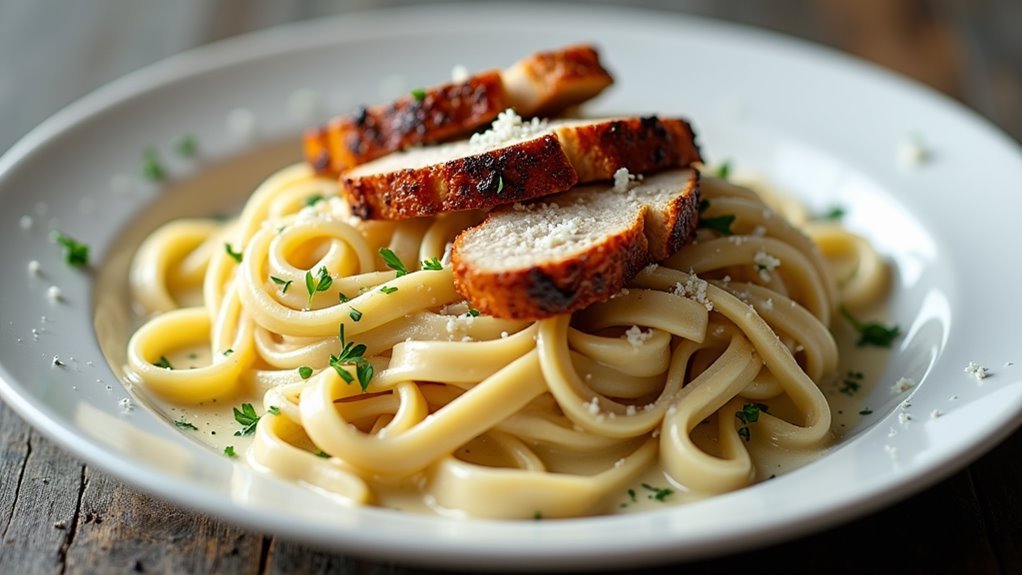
<point x="936" y="413"/>
<point x="903" y="384"/>
<point x="623" y="180"/>
<point x="636" y="337"/>
<point x="507" y="127"/>
<point x="694" y="289"/>
<point x="977" y="370"/>
<point x="765" y="263"/>
<point x="459" y="73"/>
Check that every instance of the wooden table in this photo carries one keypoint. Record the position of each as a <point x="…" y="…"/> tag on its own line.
<point x="58" y="515"/>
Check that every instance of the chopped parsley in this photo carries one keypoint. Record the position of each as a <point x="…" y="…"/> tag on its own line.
<point x="273" y="410"/>
<point x="343" y="298"/>
<point x="851" y="383"/>
<point x="305" y="372"/>
<point x="749" y="414"/>
<point x="872" y="333"/>
<point x="537" y="516"/>
<point x="355" y="315"/>
<point x="866" y="411"/>
<point x="432" y="264"/>
<point x="473" y="312"/>
<point x="321" y="282"/>
<point x="284" y="284"/>
<point x="76" y="254"/>
<point x="321" y="453"/>
<point x="631" y="495"/>
<point x="720" y="224"/>
<point x="152" y="169"/>
<point x="393" y="262"/>
<point x="500" y="184"/>
<point x="186" y="146"/>
<point x="658" y="493"/>
<point x="164" y="363"/>
<point x="388" y="289"/>
<point x="230" y="251"/>
<point x="184" y="424"/>
<point x="313" y="200"/>
<point x="228" y="352"/>
<point x="419" y="94"/>
<point x="724" y="170"/>
<point x="247" y="418"/>
<point x="352" y="354"/>
<point x="834" y="214"/>
<point x="229" y="451"/>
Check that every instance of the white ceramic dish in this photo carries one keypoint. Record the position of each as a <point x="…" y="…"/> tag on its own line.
<point x="819" y="124"/>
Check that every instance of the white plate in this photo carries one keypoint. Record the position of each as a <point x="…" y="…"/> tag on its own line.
<point x="819" y="124"/>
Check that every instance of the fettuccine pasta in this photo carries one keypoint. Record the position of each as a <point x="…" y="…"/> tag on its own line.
<point x="376" y="377"/>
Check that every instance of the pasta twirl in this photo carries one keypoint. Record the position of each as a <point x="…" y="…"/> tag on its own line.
<point x="377" y="378"/>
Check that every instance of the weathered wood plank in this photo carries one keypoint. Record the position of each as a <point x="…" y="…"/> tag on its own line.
<point x="121" y="530"/>
<point x="44" y="511"/>
<point x="998" y="481"/>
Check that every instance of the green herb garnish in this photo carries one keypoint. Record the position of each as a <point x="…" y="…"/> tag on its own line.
<point x="230" y="251"/>
<point x="164" y="363"/>
<point x="152" y="169"/>
<point x="658" y="493"/>
<point x="749" y="414"/>
<point x="834" y="214"/>
<point x="724" y="170"/>
<point x="352" y="354"/>
<point x="388" y="289"/>
<point x="473" y="312"/>
<point x="720" y="224"/>
<point x="500" y="184"/>
<point x="313" y="200"/>
<point x="355" y="315"/>
<point x="184" y="424"/>
<point x="186" y="146"/>
<point x="273" y="410"/>
<point x="851" y="383"/>
<point x="247" y="417"/>
<point x="229" y="451"/>
<point x="305" y="372"/>
<point x="419" y="94"/>
<point x="866" y="411"/>
<point x="228" y="352"/>
<point x="284" y="284"/>
<point x="393" y="262"/>
<point x="317" y="284"/>
<point x="321" y="453"/>
<point x="432" y="264"/>
<point x="872" y="333"/>
<point x="76" y="254"/>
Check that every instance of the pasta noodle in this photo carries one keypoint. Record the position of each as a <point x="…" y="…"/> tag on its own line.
<point x="375" y="382"/>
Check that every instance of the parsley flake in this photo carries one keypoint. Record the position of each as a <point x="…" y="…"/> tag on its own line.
<point x="388" y="289"/>
<point x="76" y="254"/>
<point x="393" y="262"/>
<point x="352" y="354"/>
<point x="247" y="418"/>
<point x="872" y="333"/>
<point x="152" y="169"/>
<point x="229" y="451"/>
<point x="273" y="410"/>
<point x="749" y="414"/>
<point x="230" y="251"/>
<point x="834" y="214"/>
<point x="305" y="372"/>
<point x="284" y="284"/>
<point x="473" y="312"/>
<point x="313" y="200"/>
<point x="164" y="363"/>
<point x="851" y="383"/>
<point x="228" y="352"/>
<point x="323" y="454"/>
<point x="355" y="315"/>
<point x="724" y="170"/>
<point x="658" y="493"/>
<point x="720" y="224"/>
<point x="432" y="264"/>
<point x="500" y="184"/>
<point x="317" y="284"/>
<point x="186" y="146"/>
<point x="184" y="424"/>
<point x="866" y="411"/>
<point x="419" y="94"/>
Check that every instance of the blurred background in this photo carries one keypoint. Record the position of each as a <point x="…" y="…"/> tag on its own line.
<point x="53" y="51"/>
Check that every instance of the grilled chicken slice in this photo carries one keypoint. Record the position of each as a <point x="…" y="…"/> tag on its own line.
<point x="541" y="84"/>
<point x="568" y="251"/>
<point x="515" y="161"/>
